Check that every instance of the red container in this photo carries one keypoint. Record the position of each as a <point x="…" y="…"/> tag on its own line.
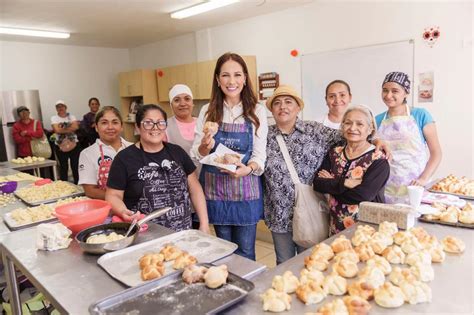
<point x="82" y="214"/>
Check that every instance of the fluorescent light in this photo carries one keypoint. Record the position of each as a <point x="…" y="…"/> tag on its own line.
<point x="24" y="32"/>
<point x="201" y="8"/>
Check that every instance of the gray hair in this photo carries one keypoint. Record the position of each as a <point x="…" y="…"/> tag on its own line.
<point x="369" y="116"/>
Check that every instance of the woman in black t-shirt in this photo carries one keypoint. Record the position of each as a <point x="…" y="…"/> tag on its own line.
<point x="153" y="174"/>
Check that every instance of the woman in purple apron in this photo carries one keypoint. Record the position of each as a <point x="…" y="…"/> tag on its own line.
<point x="234" y="199"/>
<point x="412" y="137"/>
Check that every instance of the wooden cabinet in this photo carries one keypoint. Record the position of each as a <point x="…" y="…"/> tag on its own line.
<point x="137" y="86"/>
<point x="198" y="76"/>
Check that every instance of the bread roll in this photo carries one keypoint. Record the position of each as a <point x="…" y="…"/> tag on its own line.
<point x="193" y="274"/>
<point x="210" y="128"/>
<point x="422" y="256"/>
<point x="394" y="255"/>
<point x="466" y="216"/>
<point x="335" y="284"/>
<point x="381" y="263"/>
<point x="389" y="296"/>
<point x="153" y="271"/>
<point x="335" y="307"/>
<point x="216" y="276"/>
<point x="366" y="229"/>
<point x="316" y="262"/>
<point x="310" y="293"/>
<point x="398" y="275"/>
<point x="450" y="215"/>
<point x="372" y="276"/>
<point x="411" y="245"/>
<point x="423" y="272"/>
<point x="360" y="238"/>
<point x="184" y="259"/>
<point x="349" y="254"/>
<point x="357" y="305"/>
<point x="324" y="250"/>
<point x="415" y="292"/>
<point x="340" y="244"/>
<point x="345" y="268"/>
<point x="150" y="260"/>
<point x="419" y="232"/>
<point x="286" y="283"/>
<point x="437" y="254"/>
<point x="365" y="252"/>
<point x="311" y="275"/>
<point x="389" y="228"/>
<point x="453" y="245"/>
<point x="276" y="302"/>
<point x="401" y="236"/>
<point x="362" y="289"/>
<point x="170" y="252"/>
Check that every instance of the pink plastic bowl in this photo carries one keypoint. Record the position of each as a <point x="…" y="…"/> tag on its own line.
<point x="8" y="187"/>
<point x="82" y="214"/>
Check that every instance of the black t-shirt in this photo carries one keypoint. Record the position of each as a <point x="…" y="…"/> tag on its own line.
<point x="155" y="180"/>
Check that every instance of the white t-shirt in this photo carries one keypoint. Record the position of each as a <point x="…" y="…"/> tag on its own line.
<point x="57" y="119"/>
<point x="326" y="122"/>
<point x="90" y="158"/>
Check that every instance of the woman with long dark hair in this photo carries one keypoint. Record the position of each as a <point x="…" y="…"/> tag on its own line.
<point x="234" y="199"/>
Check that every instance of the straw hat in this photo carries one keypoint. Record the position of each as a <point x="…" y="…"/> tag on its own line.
<point x="284" y="90"/>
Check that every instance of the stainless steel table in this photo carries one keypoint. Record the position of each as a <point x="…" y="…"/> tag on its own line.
<point x="35" y="166"/>
<point x="452" y="288"/>
<point x="72" y="280"/>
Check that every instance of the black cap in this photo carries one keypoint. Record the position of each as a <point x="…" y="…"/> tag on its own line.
<point x="21" y="108"/>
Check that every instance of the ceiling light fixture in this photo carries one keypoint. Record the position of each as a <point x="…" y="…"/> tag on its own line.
<point x="25" y="32"/>
<point x="201" y="8"/>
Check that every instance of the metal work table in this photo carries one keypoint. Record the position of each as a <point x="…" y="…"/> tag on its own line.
<point x="452" y="288"/>
<point x="35" y="166"/>
<point x="72" y="280"/>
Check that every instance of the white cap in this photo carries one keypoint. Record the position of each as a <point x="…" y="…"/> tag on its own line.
<point x="179" y="89"/>
<point x="60" y="102"/>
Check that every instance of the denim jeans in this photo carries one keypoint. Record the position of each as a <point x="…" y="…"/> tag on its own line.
<point x="242" y="235"/>
<point x="285" y="248"/>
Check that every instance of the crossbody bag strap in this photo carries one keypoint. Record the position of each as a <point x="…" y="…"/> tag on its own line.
<point x="34" y="125"/>
<point x="288" y="161"/>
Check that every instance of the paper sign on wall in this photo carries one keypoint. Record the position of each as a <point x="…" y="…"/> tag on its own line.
<point x="426" y="87"/>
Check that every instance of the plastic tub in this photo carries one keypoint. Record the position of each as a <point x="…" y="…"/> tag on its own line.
<point x="8" y="187"/>
<point x="82" y="214"/>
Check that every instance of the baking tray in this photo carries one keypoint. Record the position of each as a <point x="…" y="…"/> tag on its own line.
<point x="80" y="192"/>
<point x="14" y="226"/>
<point x="171" y="295"/>
<point x="458" y="224"/>
<point x="123" y="264"/>
<point x="448" y="193"/>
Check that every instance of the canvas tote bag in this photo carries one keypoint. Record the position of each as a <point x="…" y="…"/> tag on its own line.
<point x="310" y="212"/>
<point x="40" y="146"/>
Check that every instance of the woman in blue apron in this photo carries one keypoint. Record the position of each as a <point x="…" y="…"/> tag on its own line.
<point x="412" y="137"/>
<point x="153" y="174"/>
<point x="234" y="199"/>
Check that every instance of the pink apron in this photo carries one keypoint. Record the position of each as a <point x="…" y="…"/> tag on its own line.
<point x="409" y="151"/>
<point x="104" y="168"/>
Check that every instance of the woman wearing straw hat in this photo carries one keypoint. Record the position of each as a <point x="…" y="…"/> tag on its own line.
<point x="307" y="143"/>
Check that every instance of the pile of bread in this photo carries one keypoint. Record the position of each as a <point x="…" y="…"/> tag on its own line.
<point x="49" y="191"/>
<point x="6" y="199"/>
<point x="380" y="249"/>
<point x="18" y="177"/>
<point x="28" y="160"/>
<point x="455" y="185"/>
<point x="452" y="214"/>
<point x="214" y="277"/>
<point x="32" y="214"/>
<point x="152" y="265"/>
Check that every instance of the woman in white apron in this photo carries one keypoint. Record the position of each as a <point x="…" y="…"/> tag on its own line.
<point x="338" y="97"/>
<point x="95" y="160"/>
<point x="412" y="137"/>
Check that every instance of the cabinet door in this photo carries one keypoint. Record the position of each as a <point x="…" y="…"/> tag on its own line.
<point x="164" y="83"/>
<point x="205" y="72"/>
<point x="135" y="83"/>
<point x="251" y="63"/>
<point x="123" y="84"/>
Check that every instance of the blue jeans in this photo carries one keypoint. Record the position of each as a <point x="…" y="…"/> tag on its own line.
<point x="285" y="248"/>
<point x="242" y="235"/>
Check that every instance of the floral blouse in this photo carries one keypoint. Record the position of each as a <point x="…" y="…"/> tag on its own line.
<point x="371" y="167"/>
<point x="307" y="146"/>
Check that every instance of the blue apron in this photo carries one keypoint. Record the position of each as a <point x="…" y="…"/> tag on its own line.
<point x="233" y="201"/>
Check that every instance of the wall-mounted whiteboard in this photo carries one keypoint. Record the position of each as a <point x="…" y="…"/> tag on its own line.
<point x="364" y="68"/>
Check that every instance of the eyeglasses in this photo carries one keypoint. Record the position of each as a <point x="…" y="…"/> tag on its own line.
<point x="150" y="124"/>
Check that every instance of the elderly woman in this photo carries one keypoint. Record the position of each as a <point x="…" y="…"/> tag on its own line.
<point x="153" y="174"/>
<point x="181" y="126"/>
<point x="95" y="161"/>
<point x="409" y="132"/>
<point x="307" y="143"/>
<point x="354" y="172"/>
<point x="338" y="97"/>
<point x="24" y="130"/>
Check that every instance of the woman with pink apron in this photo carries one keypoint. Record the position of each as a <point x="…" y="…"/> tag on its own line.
<point x="409" y="134"/>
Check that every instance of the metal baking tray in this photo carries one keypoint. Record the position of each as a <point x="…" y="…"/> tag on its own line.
<point x="171" y="295"/>
<point x="458" y="224"/>
<point x="467" y="197"/>
<point x="14" y="226"/>
<point x="80" y="192"/>
<point x="123" y="264"/>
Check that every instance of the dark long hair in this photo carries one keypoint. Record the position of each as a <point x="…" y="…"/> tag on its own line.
<point x="215" y="111"/>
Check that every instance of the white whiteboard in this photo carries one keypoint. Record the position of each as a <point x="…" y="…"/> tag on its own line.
<point x="364" y="68"/>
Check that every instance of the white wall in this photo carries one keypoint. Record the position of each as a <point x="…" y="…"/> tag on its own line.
<point x="324" y="26"/>
<point x="71" y="73"/>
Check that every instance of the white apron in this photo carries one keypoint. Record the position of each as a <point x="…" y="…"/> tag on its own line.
<point x="402" y="135"/>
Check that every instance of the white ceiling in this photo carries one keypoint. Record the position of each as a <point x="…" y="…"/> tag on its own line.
<point x="123" y="23"/>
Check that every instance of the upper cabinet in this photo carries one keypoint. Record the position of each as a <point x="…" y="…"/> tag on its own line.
<point x="198" y="76"/>
<point x="138" y="83"/>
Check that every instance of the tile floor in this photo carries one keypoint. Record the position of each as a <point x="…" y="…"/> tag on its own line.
<point x="265" y="253"/>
